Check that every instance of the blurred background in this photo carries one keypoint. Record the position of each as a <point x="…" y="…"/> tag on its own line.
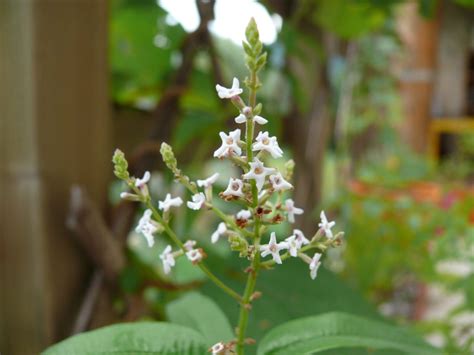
<point x="373" y="99"/>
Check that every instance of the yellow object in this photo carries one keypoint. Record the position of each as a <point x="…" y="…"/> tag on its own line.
<point x="454" y="125"/>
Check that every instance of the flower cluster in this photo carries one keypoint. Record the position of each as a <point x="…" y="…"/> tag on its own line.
<point x="261" y="188"/>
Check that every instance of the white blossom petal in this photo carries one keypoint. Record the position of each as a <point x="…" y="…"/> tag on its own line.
<point x="230" y="144"/>
<point x="221" y="229"/>
<point x="326" y="226"/>
<point x="314" y="265"/>
<point x="264" y="142"/>
<point x="197" y="201"/>
<point x="225" y="93"/>
<point x="273" y="248"/>
<point x="291" y="210"/>
<point x="169" y="202"/>
<point x="167" y="259"/>
<point x="258" y="172"/>
<point x="279" y="183"/>
<point x="234" y="188"/>
<point x="209" y="181"/>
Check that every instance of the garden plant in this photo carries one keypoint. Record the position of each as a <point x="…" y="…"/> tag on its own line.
<point x="262" y="193"/>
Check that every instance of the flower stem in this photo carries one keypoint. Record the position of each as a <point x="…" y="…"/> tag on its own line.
<point x="255" y="264"/>
<point x="201" y="265"/>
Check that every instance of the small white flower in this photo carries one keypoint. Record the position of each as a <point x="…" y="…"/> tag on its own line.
<point x="198" y="201"/>
<point x="257" y="119"/>
<point x="234" y="188"/>
<point x="296" y="241"/>
<point x="217" y="349"/>
<point x="314" y="265"/>
<point x="268" y="144"/>
<point x="300" y="237"/>
<point x="129" y="197"/>
<point x="209" y="181"/>
<point x="189" y="245"/>
<point x="273" y="248"/>
<point x="147" y="227"/>
<point x="194" y="255"/>
<point x="143" y="181"/>
<point x="279" y="183"/>
<point x="167" y="259"/>
<point x="258" y="172"/>
<point x="169" y="202"/>
<point x="221" y="229"/>
<point x="230" y="144"/>
<point x="292" y="210"/>
<point x="243" y="215"/>
<point x="225" y="93"/>
<point x="326" y="226"/>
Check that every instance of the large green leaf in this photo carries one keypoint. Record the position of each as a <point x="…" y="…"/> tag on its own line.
<point x="340" y="330"/>
<point x="202" y="314"/>
<point x="133" y="338"/>
<point x="287" y="293"/>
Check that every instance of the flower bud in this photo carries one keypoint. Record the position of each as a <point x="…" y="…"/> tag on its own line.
<point x="120" y="165"/>
<point x="168" y="157"/>
<point x="237" y="243"/>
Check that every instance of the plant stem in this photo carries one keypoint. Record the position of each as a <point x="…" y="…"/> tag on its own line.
<point x="255" y="264"/>
<point x="201" y="265"/>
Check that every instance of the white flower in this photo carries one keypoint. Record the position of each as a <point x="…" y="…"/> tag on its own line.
<point x="198" y="201"/>
<point x="209" y="181"/>
<point x="234" y="188"/>
<point x="169" y="202"/>
<point x="217" y="349"/>
<point x="326" y="226"/>
<point x="225" y="93"/>
<point x="300" y="237"/>
<point x="189" y="245"/>
<point x="273" y="248"/>
<point x="221" y="229"/>
<point x="230" y="144"/>
<point x="129" y="197"/>
<point x="296" y="241"/>
<point x="292" y="210"/>
<point x="142" y="182"/>
<point x="167" y="259"/>
<point x="279" y="183"/>
<point x="194" y="255"/>
<point x="243" y="214"/>
<point x="258" y="172"/>
<point x="257" y="119"/>
<point x="268" y="144"/>
<point x="314" y="265"/>
<point x="147" y="227"/>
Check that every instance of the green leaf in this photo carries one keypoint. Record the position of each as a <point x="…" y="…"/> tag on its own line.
<point x="287" y="293"/>
<point x="202" y="314"/>
<point x="339" y="330"/>
<point x="133" y="338"/>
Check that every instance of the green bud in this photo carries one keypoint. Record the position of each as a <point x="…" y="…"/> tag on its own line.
<point x="247" y="49"/>
<point x="261" y="61"/>
<point x="258" y="109"/>
<point x="257" y="49"/>
<point x="237" y="243"/>
<point x="168" y="157"/>
<point x="120" y="165"/>
<point x="251" y="33"/>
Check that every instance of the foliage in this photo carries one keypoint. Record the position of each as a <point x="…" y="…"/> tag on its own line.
<point x="338" y="330"/>
<point x="134" y="338"/>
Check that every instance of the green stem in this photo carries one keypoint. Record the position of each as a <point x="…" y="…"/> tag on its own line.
<point x="255" y="264"/>
<point x="201" y="265"/>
